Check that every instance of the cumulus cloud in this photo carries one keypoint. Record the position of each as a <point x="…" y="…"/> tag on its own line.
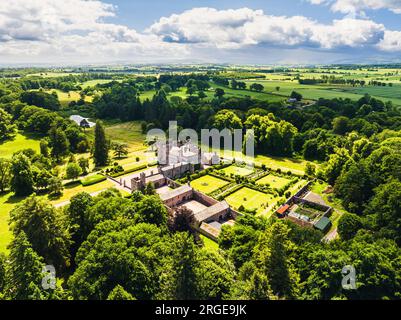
<point x="40" y="30"/>
<point x="358" y="6"/>
<point x="243" y="27"/>
<point x="81" y="31"/>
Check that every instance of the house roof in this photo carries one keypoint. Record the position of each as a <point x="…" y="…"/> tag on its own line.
<point x="175" y="192"/>
<point x="209" y="212"/>
<point x="283" y="209"/>
<point x="78" y="119"/>
<point x="323" y="224"/>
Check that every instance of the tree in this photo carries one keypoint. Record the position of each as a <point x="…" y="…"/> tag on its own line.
<point x="118" y="253"/>
<point x="58" y="142"/>
<point x="2" y="272"/>
<point x="273" y="256"/>
<point x="44" y="228"/>
<point x="5" y="174"/>
<point x="296" y="95"/>
<point x="22" y="175"/>
<point x="385" y="210"/>
<point x="24" y="274"/>
<point x="41" y="99"/>
<point x="55" y="186"/>
<point x="118" y="293"/>
<point x="151" y="210"/>
<point x="41" y="178"/>
<point x="101" y="149"/>
<point x="78" y="215"/>
<point x="7" y="128"/>
<point x="354" y="187"/>
<point x="44" y="147"/>
<point x="310" y="169"/>
<point x="219" y="93"/>
<point x="341" y="125"/>
<point x="256" y="87"/>
<point x="84" y="164"/>
<point x="226" y="119"/>
<point x="348" y="225"/>
<point x="73" y="171"/>
<point x="120" y="150"/>
<point x="181" y="283"/>
<point x="181" y="220"/>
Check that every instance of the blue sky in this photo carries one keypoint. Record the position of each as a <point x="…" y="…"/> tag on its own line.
<point x="141" y="14"/>
<point x="189" y="31"/>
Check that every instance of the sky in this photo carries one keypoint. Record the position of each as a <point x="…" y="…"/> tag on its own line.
<point x="252" y="32"/>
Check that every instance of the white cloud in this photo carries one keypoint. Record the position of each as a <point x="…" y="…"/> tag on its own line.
<point x="391" y="41"/>
<point x="243" y="27"/>
<point x="358" y="6"/>
<point x="80" y="31"/>
<point x="72" y="30"/>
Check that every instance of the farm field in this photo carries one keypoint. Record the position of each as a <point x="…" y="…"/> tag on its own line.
<point x="250" y="199"/>
<point x="274" y="181"/>
<point x="21" y="141"/>
<point x="330" y="91"/>
<point x="92" y="83"/>
<point x="238" y="171"/>
<point x="207" y="184"/>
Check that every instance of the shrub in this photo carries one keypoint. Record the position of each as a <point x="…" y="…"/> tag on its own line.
<point x="96" y="178"/>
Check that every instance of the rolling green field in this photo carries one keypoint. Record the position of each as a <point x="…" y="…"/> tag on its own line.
<point x="274" y="181"/>
<point x="328" y="91"/>
<point x="92" y="83"/>
<point x="250" y="199"/>
<point x="207" y="184"/>
<point x="20" y="142"/>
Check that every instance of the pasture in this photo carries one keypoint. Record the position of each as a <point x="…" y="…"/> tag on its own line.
<point x="208" y="184"/>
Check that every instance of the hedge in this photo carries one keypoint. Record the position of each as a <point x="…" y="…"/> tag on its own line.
<point x="134" y="169"/>
<point x="96" y="178"/>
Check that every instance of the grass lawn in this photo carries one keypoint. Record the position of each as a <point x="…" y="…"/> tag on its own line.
<point x="238" y="171"/>
<point x="71" y="190"/>
<point x="129" y="133"/>
<point x="7" y="202"/>
<point x="209" y="244"/>
<point x="250" y="199"/>
<point x="20" y="141"/>
<point x="274" y="181"/>
<point x="296" y="166"/>
<point x="207" y="184"/>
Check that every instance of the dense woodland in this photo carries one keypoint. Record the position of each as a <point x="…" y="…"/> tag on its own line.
<point x="119" y="248"/>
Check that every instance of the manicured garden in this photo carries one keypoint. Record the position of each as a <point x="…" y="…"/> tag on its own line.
<point x="237" y="171"/>
<point x="274" y="181"/>
<point x="249" y="199"/>
<point x="208" y="183"/>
